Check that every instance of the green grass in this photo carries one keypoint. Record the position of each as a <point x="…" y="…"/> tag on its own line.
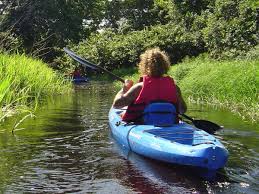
<point x="24" y="81"/>
<point x="232" y="84"/>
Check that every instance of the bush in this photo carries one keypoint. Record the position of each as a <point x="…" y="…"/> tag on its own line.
<point x="224" y="29"/>
<point x="9" y="43"/>
<point x="118" y="50"/>
<point x="231" y="29"/>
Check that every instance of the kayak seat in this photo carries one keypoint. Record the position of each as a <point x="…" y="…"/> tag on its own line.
<point x="160" y="114"/>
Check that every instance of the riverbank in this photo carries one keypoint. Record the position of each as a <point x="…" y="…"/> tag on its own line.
<point x="24" y="81"/>
<point x="232" y="84"/>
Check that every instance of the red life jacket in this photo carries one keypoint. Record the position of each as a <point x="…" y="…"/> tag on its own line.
<point x="76" y="74"/>
<point x="154" y="89"/>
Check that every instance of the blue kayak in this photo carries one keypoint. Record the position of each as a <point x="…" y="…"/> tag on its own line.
<point x="80" y="79"/>
<point x="177" y="144"/>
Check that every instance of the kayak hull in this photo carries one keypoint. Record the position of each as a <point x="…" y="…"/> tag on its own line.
<point x="178" y="144"/>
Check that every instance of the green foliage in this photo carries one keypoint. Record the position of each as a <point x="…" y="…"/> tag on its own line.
<point x="196" y="6"/>
<point x="116" y="32"/>
<point x="9" y="43"/>
<point x="226" y="29"/>
<point x="253" y="3"/>
<point x="251" y="54"/>
<point x="233" y="84"/>
<point x="119" y="50"/>
<point x="24" y="81"/>
<point x="47" y="25"/>
<point x="231" y="29"/>
<point x="129" y="15"/>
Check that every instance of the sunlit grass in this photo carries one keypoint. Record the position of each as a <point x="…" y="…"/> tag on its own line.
<point x="24" y="81"/>
<point x="232" y="84"/>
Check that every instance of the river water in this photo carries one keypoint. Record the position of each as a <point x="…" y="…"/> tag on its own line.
<point x="68" y="148"/>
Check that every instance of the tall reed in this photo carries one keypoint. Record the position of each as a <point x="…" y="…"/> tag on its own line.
<point x="23" y="81"/>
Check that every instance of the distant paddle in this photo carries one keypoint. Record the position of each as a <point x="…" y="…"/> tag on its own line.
<point x="207" y="126"/>
<point x="90" y="64"/>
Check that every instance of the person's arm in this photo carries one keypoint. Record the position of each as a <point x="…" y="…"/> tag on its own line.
<point x="127" y="94"/>
<point x="182" y="108"/>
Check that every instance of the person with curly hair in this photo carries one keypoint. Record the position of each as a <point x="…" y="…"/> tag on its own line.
<point x="153" y="86"/>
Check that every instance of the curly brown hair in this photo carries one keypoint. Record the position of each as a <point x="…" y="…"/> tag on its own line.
<point x="154" y="63"/>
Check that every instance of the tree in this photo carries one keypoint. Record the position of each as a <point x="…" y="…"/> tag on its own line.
<point x="129" y="15"/>
<point x="46" y="25"/>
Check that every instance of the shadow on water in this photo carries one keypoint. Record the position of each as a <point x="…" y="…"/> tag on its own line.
<point x="145" y="175"/>
<point x="68" y="149"/>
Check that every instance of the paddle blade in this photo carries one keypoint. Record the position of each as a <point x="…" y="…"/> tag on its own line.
<point x="80" y="60"/>
<point x="207" y="126"/>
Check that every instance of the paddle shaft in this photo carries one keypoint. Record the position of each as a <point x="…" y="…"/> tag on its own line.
<point x="90" y="64"/>
<point x="187" y="117"/>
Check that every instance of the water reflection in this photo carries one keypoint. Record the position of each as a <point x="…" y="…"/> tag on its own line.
<point x="68" y="148"/>
<point x="149" y="176"/>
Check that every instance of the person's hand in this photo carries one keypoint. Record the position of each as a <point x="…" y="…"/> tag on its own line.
<point x="127" y="85"/>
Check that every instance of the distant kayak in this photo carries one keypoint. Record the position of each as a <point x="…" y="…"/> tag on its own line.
<point x="80" y="79"/>
<point x="177" y="144"/>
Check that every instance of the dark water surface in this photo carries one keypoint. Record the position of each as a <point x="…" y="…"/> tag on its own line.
<point x="68" y="148"/>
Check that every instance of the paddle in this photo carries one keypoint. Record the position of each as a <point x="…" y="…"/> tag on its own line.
<point x="90" y="64"/>
<point x="205" y="125"/>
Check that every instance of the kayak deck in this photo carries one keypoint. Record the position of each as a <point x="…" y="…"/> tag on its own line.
<point x="80" y="79"/>
<point x="179" y="144"/>
<point x="185" y="135"/>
